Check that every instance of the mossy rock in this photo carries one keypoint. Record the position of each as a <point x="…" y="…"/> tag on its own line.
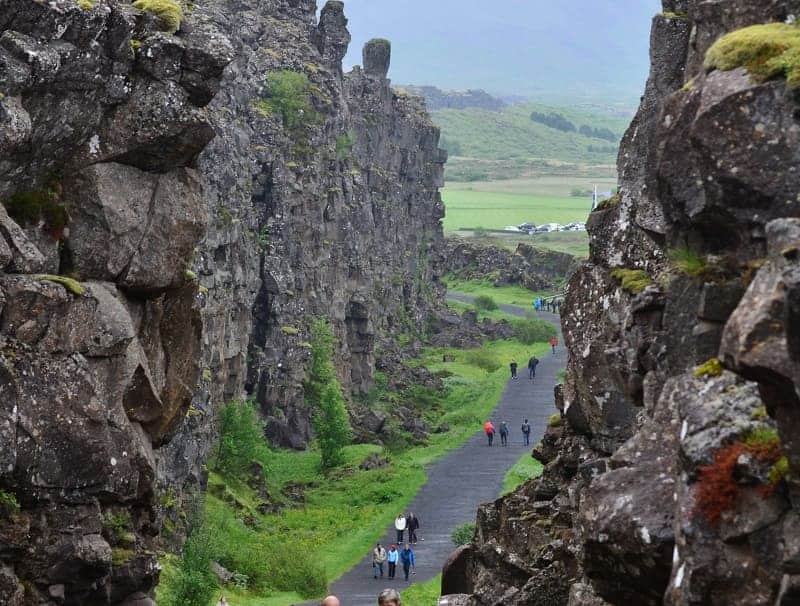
<point x="633" y="281"/>
<point x="554" y="420"/>
<point x="712" y="368"/>
<point x="72" y="285"/>
<point x="168" y="12"/>
<point x="765" y="51"/>
<point x="290" y="331"/>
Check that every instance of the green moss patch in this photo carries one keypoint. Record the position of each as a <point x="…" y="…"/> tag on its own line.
<point x="712" y="368"/>
<point x="72" y="285"/>
<point x="169" y="12"/>
<point x="609" y="203"/>
<point x="766" y="51"/>
<point x="42" y="205"/>
<point x="633" y="281"/>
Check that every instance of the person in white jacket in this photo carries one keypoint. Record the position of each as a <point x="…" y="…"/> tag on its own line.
<point x="400" y="526"/>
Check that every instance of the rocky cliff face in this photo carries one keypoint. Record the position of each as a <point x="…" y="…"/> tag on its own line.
<point x="674" y="476"/>
<point x="164" y="243"/>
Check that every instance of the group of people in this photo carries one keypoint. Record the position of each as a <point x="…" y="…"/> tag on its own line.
<point x="394" y="555"/>
<point x="490" y="429"/>
<point x="551" y="305"/>
<point x="387" y="597"/>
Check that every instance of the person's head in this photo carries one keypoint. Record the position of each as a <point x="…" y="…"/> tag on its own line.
<point x="389" y="597"/>
<point x="408" y="546"/>
<point x="378" y="545"/>
<point x="393" y="547"/>
<point x="526" y="420"/>
<point x="331" y="600"/>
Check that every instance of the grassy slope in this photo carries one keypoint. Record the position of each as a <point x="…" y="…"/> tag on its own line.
<point x="423" y="594"/>
<point x="344" y="515"/>
<point x="512" y="134"/>
<point x="575" y="243"/>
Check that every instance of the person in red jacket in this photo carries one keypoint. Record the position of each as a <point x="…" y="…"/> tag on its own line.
<point x="488" y="427"/>
<point x="553" y="343"/>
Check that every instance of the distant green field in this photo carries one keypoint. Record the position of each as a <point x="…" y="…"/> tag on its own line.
<point x="496" y="210"/>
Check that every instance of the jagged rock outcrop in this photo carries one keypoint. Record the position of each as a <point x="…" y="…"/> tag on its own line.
<point x="101" y="120"/>
<point x="165" y="241"/>
<point x="531" y="267"/>
<point x="674" y="478"/>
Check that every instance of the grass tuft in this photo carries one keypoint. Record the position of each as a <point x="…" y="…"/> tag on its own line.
<point x="766" y="51"/>
<point x="463" y="534"/>
<point x="689" y="262"/>
<point x="169" y="13"/>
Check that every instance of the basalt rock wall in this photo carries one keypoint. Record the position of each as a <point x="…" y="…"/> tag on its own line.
<point x="165" y="243"/>
<point x="673" y="476"/>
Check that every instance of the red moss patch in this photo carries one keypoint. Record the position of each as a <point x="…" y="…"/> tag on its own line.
<point x="717" y="489"/>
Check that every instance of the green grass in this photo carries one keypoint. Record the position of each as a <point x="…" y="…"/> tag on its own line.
<point x="347" y="512"/>
<point x="634" y="281"/>
<point x="548" y="186"/>
<point x="575" y="243"/>
<point x="497" y="210"/>
<point x="504" y="295"/>
<point x="423" y="594"/>
<point x="523" y="470"/>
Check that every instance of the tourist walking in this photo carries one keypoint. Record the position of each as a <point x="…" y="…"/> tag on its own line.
<point x="488" y="427"/>
<point x="378" y="558"/>
<point x="504" y="433"/>
<point x="222" y="601"/>
<point x="513" y="366"/>
<point x="331" y="600"/>
<point x="407" y="560"/>
<point x="532" y="364"/>
<point x="526" y="432"/>
<point x="391" y="559"/>
<point x="389" y="597"/>
<point x="412" y="523"/>
<point x="553" y="343"/>
<point x="400" y="526"/>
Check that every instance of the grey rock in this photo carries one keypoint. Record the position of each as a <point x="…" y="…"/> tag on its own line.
<point x="377" y="56"/>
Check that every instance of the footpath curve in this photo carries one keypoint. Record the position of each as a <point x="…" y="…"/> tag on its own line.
<point x="464" y="478"/>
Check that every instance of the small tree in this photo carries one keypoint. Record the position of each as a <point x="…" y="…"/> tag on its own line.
<point x="324" y="393"/>
<point x="287" y="95"/>
<point x="241" y="439"/>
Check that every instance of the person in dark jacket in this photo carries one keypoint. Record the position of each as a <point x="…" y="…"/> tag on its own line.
<point x="513" y="366"/>
<point x="526" y="432"/>
<point x="407" y="560"/>
<point x="412" y="524"/>
<point x="532" y="364"/>
<point x="504" y="433"/>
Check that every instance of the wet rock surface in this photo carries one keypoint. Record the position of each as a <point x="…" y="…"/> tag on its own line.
<point x="672" y="479"/>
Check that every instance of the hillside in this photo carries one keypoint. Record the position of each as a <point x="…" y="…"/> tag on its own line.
<point x="487" y="144"/>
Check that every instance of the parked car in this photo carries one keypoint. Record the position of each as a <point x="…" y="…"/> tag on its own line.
<point x="574" y="227"/>
<point x="548" y="227"/>
<point x="528" y="228"/>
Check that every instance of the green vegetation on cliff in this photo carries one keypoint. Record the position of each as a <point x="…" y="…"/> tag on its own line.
<point x="169" y="12"/>
<point x="523" y="470"/>
<point x="766" y="51"/>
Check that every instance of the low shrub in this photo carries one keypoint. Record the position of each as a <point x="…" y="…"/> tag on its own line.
<point x="485" y="302"/>
<point x="463" y="534"/>
<point x="530" y="331"/>
<point x="241" y="439"/>
<point x="9" y="506"/>
<point x="288" y="95"/>
<point x="344" y="144"/>
<point x="194" y="583"/>
<point x="45" y="205"/>
<point x="554" y="420"/>
<point x="483" y="359"/>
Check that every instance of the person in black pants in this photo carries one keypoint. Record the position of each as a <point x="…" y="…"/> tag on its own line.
<point x="513" y="366"/>
<point x="526" y="432"/>
<point x="412" y="524"/>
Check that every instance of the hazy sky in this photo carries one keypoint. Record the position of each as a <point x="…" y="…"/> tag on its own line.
<point x="525" y="47"/>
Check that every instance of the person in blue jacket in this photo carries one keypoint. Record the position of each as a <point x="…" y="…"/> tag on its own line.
<point x="407" y="559"/>
<point x="392" y="558"/>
